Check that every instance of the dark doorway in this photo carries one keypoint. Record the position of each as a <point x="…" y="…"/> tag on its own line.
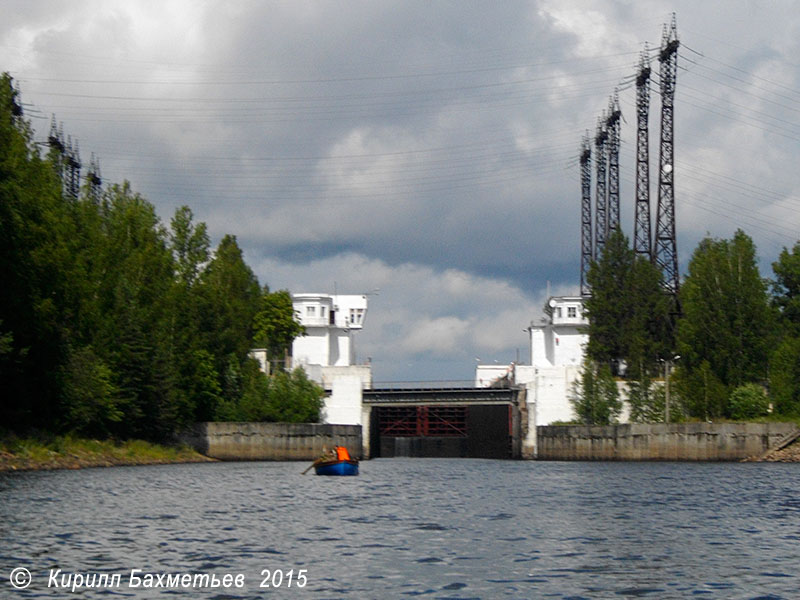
<point x="475" y="431"/>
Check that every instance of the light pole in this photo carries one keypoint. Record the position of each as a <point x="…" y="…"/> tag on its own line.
<point x="667" y="369"/>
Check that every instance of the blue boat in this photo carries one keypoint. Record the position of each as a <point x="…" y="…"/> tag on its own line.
<point x="337" y="467"/>
<point x="338" y="462"/>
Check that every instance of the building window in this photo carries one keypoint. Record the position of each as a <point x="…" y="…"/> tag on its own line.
<point x="558" y="312"/>
<point x="311" y="311"/>
<point x="572" y="312"/>
<point x="322" y="312"/>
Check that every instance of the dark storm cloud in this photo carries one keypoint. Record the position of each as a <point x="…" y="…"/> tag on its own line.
<point x="426" y="148"/>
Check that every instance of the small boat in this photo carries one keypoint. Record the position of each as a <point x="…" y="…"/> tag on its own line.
<point x="337" y="467"/>
<point x="341" y="464"/>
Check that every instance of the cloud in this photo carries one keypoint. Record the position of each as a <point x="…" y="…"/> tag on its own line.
<point x="418" y="316"/>
<point x="429" y="149"/>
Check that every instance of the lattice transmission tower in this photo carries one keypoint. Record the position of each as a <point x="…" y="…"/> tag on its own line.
<point x="601" y="197"/>
<point x="94" y="179"/>
<point x="613" y="132"/>
<point x="586" y="213"/>
<point x="665" y="252"/>
<point x="72" y="182"/>
<point x="56" y="142"/>
<point x="642" y="242"/>
<point x="16" y="107"/>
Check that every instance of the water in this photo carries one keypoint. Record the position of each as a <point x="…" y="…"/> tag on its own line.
<point x="404" y="528"/>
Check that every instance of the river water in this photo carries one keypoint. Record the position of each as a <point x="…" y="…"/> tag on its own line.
<point x="435" y="528"/>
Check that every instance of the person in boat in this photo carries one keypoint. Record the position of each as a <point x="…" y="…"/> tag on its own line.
<point x="342" y="453"/>
<point x="327" y="455"/>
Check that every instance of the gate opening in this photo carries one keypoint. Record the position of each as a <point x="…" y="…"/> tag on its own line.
<point x="474" y="431"/>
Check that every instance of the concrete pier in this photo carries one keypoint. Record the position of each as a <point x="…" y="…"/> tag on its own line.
<point x="660" y="441"/>
<point x="271" y="441"/>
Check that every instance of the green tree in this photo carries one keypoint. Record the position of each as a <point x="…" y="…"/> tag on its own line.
<point x="646" y="400"/>
<point x="784" y="373"/>
<point x="786" y="287"/>
<point x="784" y="377"/>
<point x="594" y="396"/>
<point x="91" y="398"/>
<point x="648" y="330"/>
<point x="748" y="401"/>
<point x="628" y="311"/>
<point x="190" y="246"/>
<point x="109" y="323"/>
<point x="133" y="276"/>
<point x="35" y="267"/>
<point x="203" y="386"/>
<point x="724" y="334"/>
<point x="294" y="398"/>
<point x="286" y="397"/>
<point x="607" y="308"/>
<point x="229" y="299"/>
<point x="701" y="393"/>
<point x="275" y="325"/>
<point x="197" y="395"/>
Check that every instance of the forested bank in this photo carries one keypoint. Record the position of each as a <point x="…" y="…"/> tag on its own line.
<point x="47" y="452"/>
<point x="113" y="323"/>
<point x="729" y="345"/>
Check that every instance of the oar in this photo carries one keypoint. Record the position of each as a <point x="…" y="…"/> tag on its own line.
<point x="313" y="464"/>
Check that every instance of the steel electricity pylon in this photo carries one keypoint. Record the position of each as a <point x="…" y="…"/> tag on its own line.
<point x="665" y="254"/>
<point x="586" y="213"/>
<point x="601" y="197"/>
<point x="613" y="132"/>
<point x="642" y="242"/>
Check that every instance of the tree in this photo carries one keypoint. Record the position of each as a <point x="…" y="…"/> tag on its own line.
<point x="724" y="334"/>
<point x="784" y="377"/>
<point x="36" y="263"/>
<point x="786" y="287"/>
<point x="92" y="403"/>
<point x="229" y="299"/>
<point x="646" y="400"/>
<point x="197" y="382"/>
<point x="748" y="401"/>
<point x="275" y="325"/>
<point x="134" y="270"/>
<point x="190" y="246"/>
<point x="287" y="397"/>
<point x="594" y="396"/>
<point x="701" y="393"/>
<point x="607" y="308"/>
<point x="294" y="398"/>
<point x="784" y="373"/>
<point x="648" y="328"/>
<point x="112" y="325"/>
<point x="628" y="311"/>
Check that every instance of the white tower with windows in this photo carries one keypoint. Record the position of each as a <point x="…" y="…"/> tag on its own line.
<point x="327" y="351"/>
<point x="330" y="321"/>
<point x="561" y="340"/>
<point x="558" y="345"/>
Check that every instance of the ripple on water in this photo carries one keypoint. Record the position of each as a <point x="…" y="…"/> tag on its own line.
<point x="438" y="528"/>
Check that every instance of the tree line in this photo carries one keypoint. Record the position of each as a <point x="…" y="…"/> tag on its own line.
<point x="732" y="338"/>
<point x="114" y="324"/>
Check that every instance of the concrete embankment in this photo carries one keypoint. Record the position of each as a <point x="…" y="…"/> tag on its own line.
<point x="661" y="441"/>
<point x="271" y="441"/>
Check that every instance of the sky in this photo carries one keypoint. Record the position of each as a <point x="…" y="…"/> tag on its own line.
<point x="423" y="152"/>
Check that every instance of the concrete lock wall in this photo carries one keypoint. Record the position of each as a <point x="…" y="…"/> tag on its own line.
<point x="660" y="441"/>
<point x="272" y="441"/>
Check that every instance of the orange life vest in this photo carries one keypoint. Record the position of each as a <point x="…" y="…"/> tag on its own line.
<point x="342" y="453"/>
